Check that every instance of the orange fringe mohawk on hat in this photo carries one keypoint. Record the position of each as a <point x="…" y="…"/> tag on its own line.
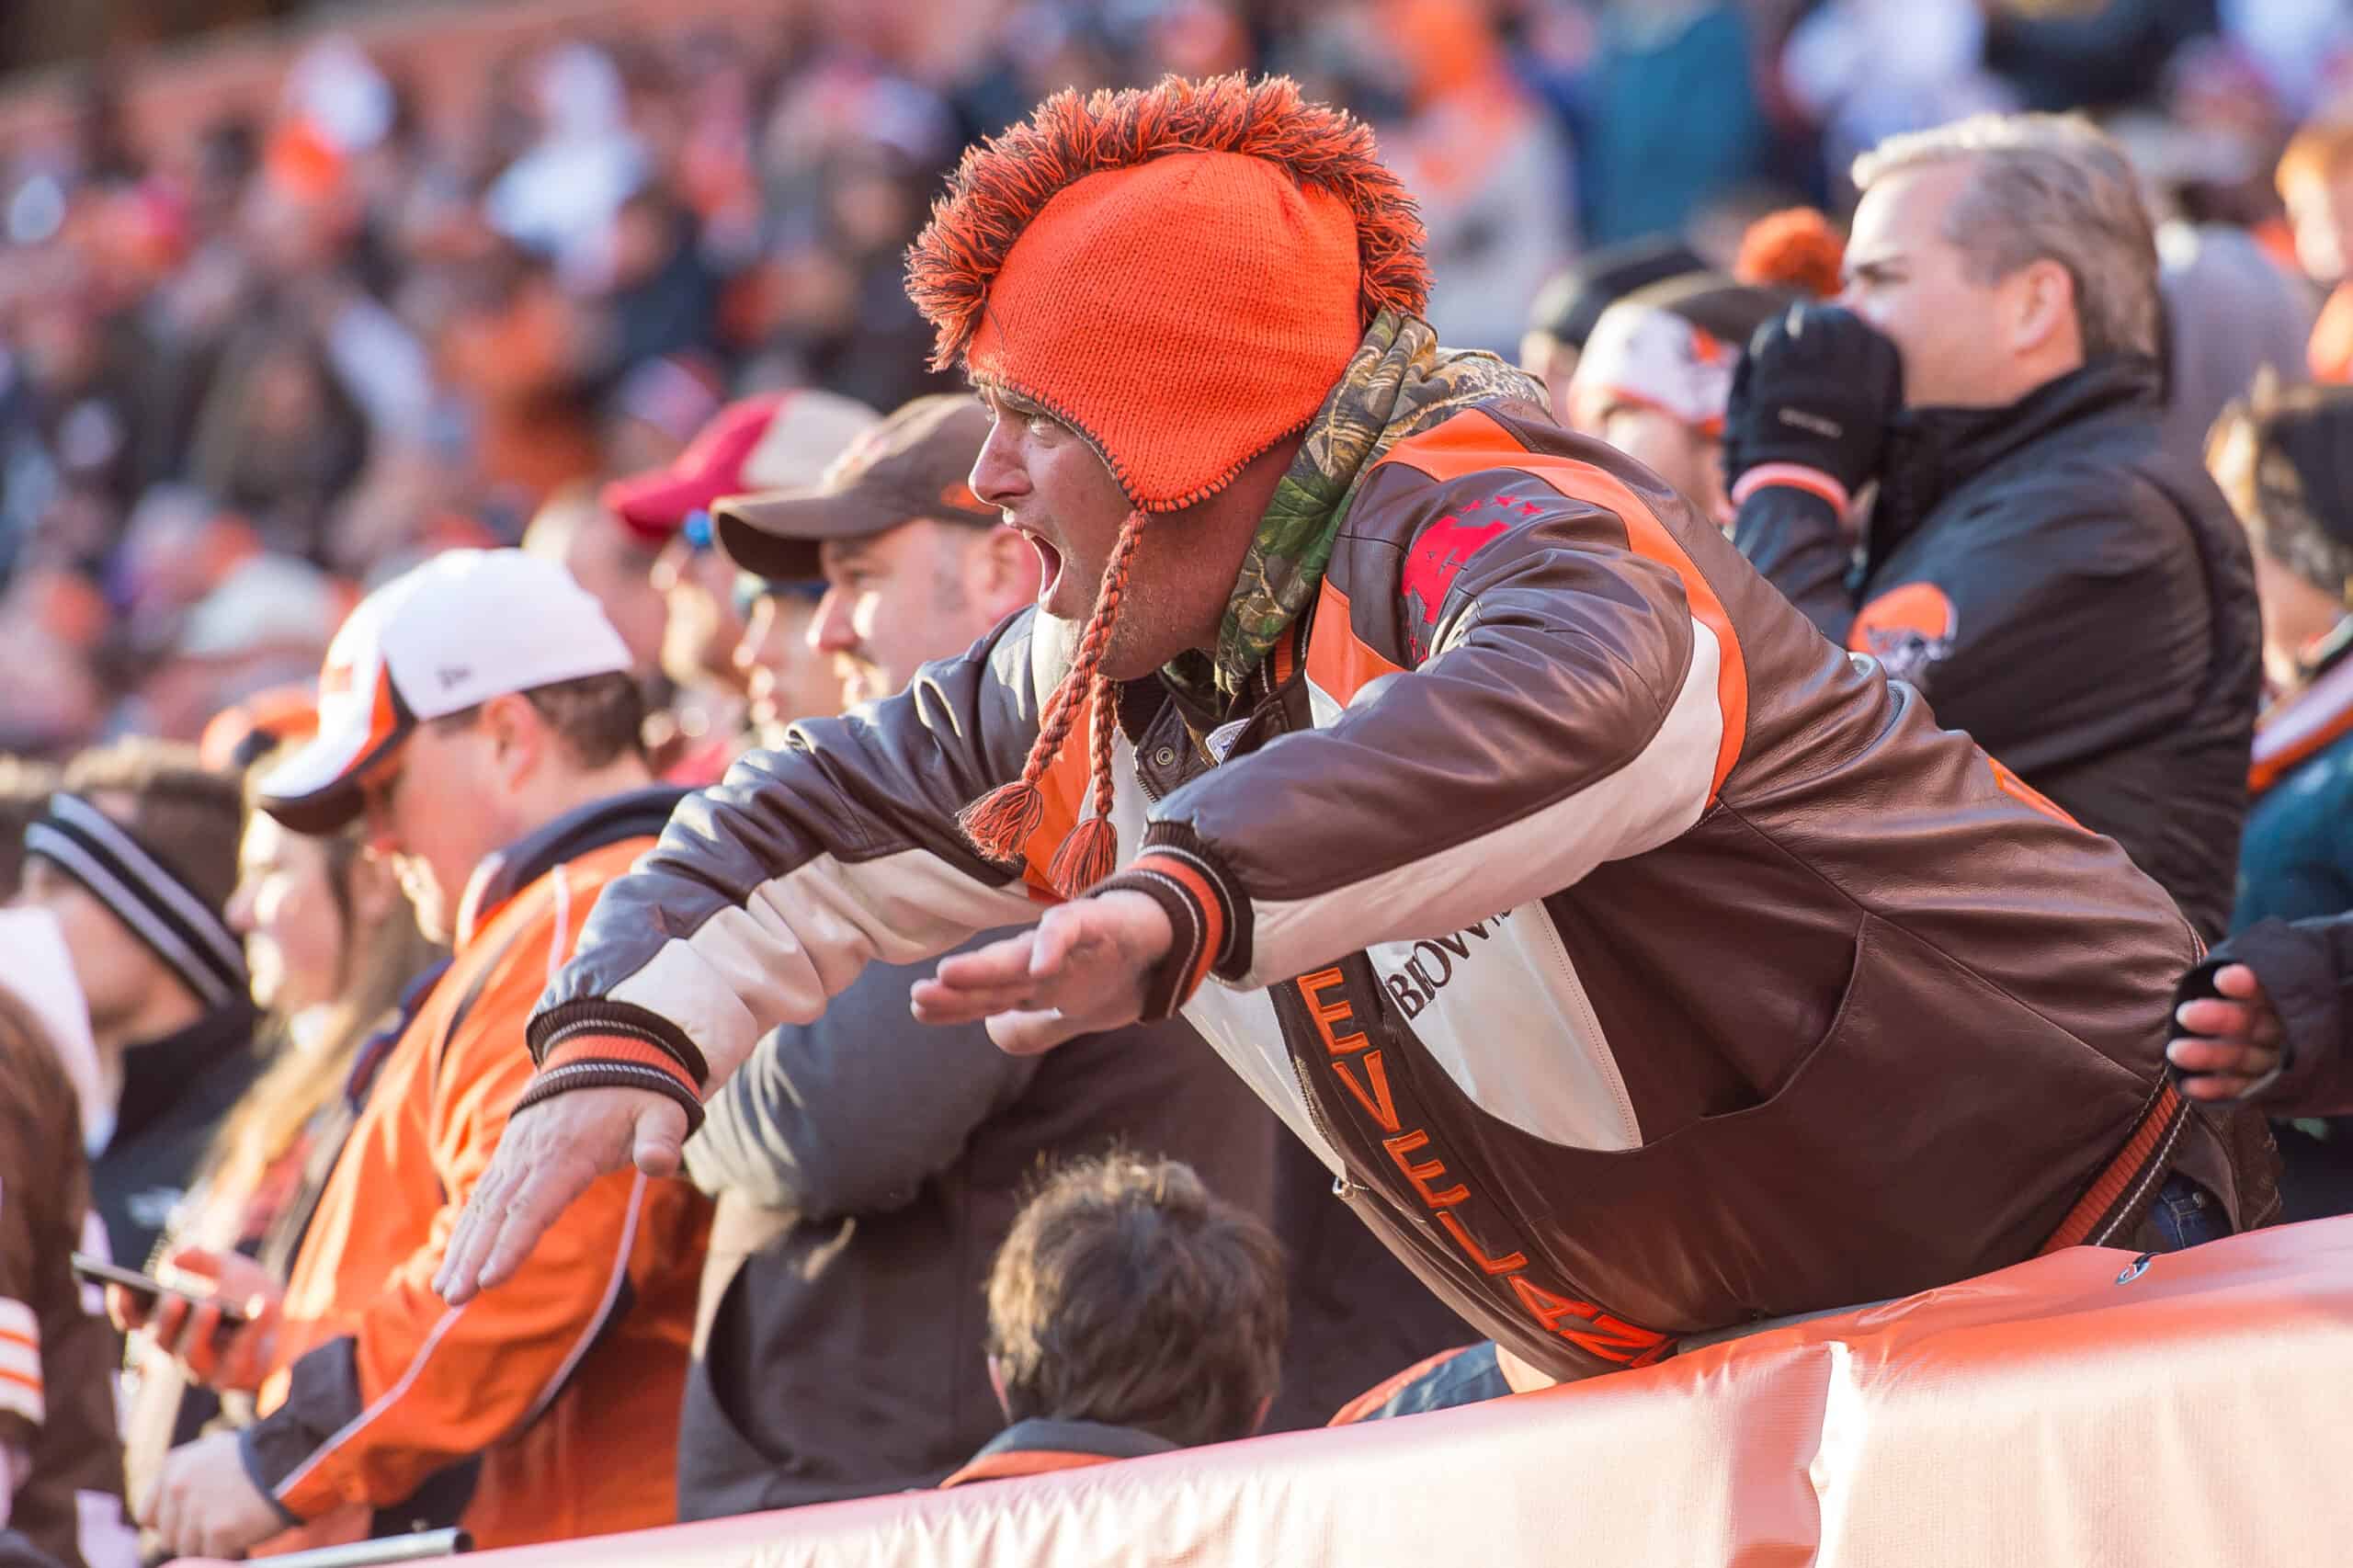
<point x="1180" y="274"/>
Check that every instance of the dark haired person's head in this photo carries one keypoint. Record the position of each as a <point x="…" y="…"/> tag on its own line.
<point x="1128" y="1294"/>
<point x="465" y="705"/>
<point x="2285" y="459"/>
<point x="136" y="853"/>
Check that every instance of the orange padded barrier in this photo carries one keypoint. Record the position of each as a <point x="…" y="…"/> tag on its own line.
<point x="2067" y="1411"/>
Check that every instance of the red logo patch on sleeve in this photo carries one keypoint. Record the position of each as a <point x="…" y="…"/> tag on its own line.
<point x="1438" y="557"/>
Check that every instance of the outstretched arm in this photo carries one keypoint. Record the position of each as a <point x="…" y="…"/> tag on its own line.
<point x="1582" y="701"/>
<point x="765" y="896"/>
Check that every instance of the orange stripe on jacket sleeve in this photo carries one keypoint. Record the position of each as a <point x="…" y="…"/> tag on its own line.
<point x="1205" y="899"/>
<point x="1472" y="442"/>
<point x="617" y="1047"/>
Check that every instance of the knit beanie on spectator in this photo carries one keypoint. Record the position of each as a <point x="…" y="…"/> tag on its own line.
<point x="1180" y="274"/>
<point x="1794" y="248"/>
<point x="142" y="886"/>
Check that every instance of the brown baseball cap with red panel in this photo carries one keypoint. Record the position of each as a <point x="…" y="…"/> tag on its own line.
<point x="916" y="463"/>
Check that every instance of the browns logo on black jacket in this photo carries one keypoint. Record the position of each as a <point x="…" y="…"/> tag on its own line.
<point x="2074" y="596"/>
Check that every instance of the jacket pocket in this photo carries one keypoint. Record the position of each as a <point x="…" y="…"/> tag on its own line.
<point x="1938" y="1128"/>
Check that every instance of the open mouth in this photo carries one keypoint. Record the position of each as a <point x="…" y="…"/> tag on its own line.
<point x="1050" y="561"/>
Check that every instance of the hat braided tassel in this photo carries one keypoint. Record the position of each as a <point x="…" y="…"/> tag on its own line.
<point x="999" y="823"/>
<point x="1090" y="852"/>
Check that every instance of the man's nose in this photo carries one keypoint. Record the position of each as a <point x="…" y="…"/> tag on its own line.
<point x="830" y="631"/>
<point x="997" y="476"/>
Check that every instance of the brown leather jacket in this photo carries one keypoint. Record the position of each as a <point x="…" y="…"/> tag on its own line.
<point x="1641" y="962"/>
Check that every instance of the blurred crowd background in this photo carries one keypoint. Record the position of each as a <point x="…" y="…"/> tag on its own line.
<point x="416" y="271"/>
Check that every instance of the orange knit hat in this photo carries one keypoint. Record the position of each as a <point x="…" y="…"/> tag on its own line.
<point x="1793" y="248"/>
<point x="1180" y="274"/>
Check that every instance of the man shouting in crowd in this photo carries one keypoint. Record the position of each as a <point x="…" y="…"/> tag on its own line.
<point x="1640" y="963"/>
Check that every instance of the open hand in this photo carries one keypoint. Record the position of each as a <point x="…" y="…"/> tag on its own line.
<point x="2231" y="1042"/>
<point x="548" y="1156"/>
<point x="1080" y="970"/>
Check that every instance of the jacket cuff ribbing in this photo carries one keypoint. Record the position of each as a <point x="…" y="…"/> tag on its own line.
<point x="553" y="1026"/>
<point x="586" y="1058"/>
<point x="1793" y="476"/>
<point x="1208" y="913"/>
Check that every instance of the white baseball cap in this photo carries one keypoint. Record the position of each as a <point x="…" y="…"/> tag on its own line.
<point x="464" y="627"/>
<point x="1644" y="354"/>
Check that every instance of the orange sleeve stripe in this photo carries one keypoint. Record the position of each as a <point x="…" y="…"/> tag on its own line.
<point x="23" y="1379"/>
<point x="1468" y="443"/>
<point x="1204" y="896"/>
<point x="615" y="1047"/>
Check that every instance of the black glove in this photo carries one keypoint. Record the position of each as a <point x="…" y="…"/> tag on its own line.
<point x="1815" y="390"/>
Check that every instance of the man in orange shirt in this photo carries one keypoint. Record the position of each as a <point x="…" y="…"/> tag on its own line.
<point x="479" y="711"/>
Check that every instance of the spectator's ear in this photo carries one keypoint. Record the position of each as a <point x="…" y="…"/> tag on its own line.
<point x="2041" y="308"/>
<point x="996" y="1374"/>
<point x="1001" y="570"/>
<point x="374" y="894"/>
<point x="519" y="738"/>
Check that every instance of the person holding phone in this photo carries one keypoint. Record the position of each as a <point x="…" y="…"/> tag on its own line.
<point x="480" y="726"/>
<point x="333" y="958"/>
